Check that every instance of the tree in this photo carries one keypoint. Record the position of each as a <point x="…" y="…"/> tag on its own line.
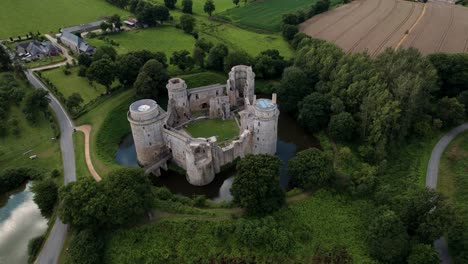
<point x="215" y="60"/>
<point x="105" y="26"/>
<point x="452" y="70"/>
<point x="5" y="61"/>
<point x="321" y="6"/>
<point x="128" y="208"/>
<point x="187" y="6"/>
<point x="341" y="126"/>
<point x="209" y="7"/>
<point x="204" y="44"/>
<point x="310" y="168"/>
<point x="84" y="60"/>
<point x="290" y="19"/>
<point x="170" y="3"/>
<point x="423" y="254"/>
<point x="451" y="112"/>
<point x="86" y="247"/>
<point x="292" y="89"/>
<point x="236" y="58"/>
<point x="187" y="23"/>
<point x="387" y="238"/>
<point x="102" y="71"/>
<point x="289" y="31"/>
<point x="256" y="186"/>
<point x="116" y="21"/>
<point x="45" y="195"/>
<point x="128" y="67"/>
<point x="35" y="102"/>
<point x="161" y="13"/>
<point x="182" y="60"/>
<point x="236" y="2"/>
<point x="314" y="112"/>
<point x="74" y="101"/>
<point x="151" y="80"/>
<point x="269" y="64"/>
<point x="105" y="52"/>
<point x="199" y="57"/>
<point x="145" y="13"/>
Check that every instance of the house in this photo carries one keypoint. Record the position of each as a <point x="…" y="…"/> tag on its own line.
<point x="37" y="50"/>
<point x="75" y="43"/>
<point x="83" y="27"/>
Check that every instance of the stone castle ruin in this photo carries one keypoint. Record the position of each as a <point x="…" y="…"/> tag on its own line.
<point x="159" y="136"/>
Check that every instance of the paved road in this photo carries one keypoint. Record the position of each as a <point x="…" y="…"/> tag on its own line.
<point x="431" y="181"/>
<point x="51" y="250"/>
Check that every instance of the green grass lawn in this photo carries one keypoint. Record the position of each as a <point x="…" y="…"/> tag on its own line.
<point x="44" y="62"/>
<point x="453" y="172"/>
<point x="203" y="79"/>
<point x="222" y="129"/>
<point x="110" y="120"/>
<point x="19" y="17"/>
<point x="68" y="84"/>
<point x="266" y="14"/>
<point x="80" y="161"/>
<point x="37" y="138"/>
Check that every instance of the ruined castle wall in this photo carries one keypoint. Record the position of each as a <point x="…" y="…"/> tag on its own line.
<point x="177" y="143"/>
<point x="199" y="98"/>
<point x="199" y="163"/>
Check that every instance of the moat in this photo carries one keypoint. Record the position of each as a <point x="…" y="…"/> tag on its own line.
<point x="291" y="138"/>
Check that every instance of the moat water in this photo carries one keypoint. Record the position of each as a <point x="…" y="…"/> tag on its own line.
<point x="20" y="221"/>
<point x="291" y="139"/>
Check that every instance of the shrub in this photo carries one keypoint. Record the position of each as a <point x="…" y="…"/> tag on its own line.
<point x="34" y="247"/>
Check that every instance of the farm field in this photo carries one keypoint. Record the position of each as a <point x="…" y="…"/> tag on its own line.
<point x="374" y="25"/>
<point x="19" y="17"/>
<point x="265" y="14"/>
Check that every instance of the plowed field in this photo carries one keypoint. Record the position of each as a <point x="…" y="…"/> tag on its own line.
<point x="374" y="25"/>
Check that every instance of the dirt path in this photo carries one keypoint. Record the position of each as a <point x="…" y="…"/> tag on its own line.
<point x="69" y="58"/>
<point x="86" y="129"/>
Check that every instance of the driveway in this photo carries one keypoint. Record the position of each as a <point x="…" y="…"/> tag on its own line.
<point x="52" y="247"/>
<point x="431" y="181"/>
<point x="69" y="58"/>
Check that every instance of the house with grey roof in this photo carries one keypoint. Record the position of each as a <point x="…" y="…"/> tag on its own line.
<point x="75" y="43"/>
<point x="37" y="50"/>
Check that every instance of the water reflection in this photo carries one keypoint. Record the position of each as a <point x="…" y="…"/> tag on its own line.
<point x="20" y="220"/>
<point x="291" y="139"/>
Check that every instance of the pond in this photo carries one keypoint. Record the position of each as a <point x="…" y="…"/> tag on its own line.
<point x="20" y="221"/>
<point x="291" y="139"/>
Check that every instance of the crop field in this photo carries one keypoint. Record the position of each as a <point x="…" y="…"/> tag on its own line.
<point x="374" y="25"/>
<point x="265" y="14"/>
<point x="19" y="17"/>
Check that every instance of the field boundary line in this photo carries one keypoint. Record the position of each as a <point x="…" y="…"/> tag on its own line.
<point x="374" y="27"/>
<point x="379" y="48"/>
<point x="412" y="27"/>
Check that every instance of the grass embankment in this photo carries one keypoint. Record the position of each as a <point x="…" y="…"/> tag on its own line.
<point x="222" y="129"/>
<point x="203" y="79"/>
<point x="19" y="17"/>
<point x="330" y="220"/>
<point x="109" y="125"/>
<point x="453" y="173"/>
<point x="36" y="138"/>
<point x="266" y="14"/>
<point x="82" y="170"/>
<point x="72" y="83"/>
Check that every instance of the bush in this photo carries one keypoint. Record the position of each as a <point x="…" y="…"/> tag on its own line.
<point x="310" y="168"/>
<point x="289" y="31"/>
<point x="163" y="193"/>
<point x="199" y="201"/>
<point x="86" y="247"/>
<point x="34" y="247"/>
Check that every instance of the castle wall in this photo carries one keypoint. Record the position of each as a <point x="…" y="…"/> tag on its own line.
<point x="199" y="98"/>
<point x="220" y="107"/>
<point x="178" y="105"/>
<point x="177" y="143"/>
<point x="199" y="162"/>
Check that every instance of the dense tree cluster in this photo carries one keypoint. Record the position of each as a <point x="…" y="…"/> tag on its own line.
<point x="121" y="198"/>
<point x="45" y="195"/>
<point x="5" y="61"/>
<point x="310" y="168"/>
<point x="36" y="102"/>
<point x="10" y="93"/>
<point x="151" y="80"/>
<point x="13" y="178"/>
<point x="256" y="186"/>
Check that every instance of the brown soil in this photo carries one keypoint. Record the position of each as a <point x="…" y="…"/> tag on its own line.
<point x="374" y="25"/>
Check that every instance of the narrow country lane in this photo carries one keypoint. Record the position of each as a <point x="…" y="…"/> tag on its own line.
<point x="52" y="247"/>
<point x="431" y="181"/>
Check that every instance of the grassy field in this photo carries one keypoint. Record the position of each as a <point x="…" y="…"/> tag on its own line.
<point x="265" y="14"/>
<point x="197" y="8"/>
<point x="35" y="138"/>
<point x="68" y="84"/>
<point x="222" y="129"/>
<point x="102" y="159"/>
<point x="453" y="172"/>
<point x="203" y="79"/>
<point x="19" y="17"/>
<point x="328" y="219"/>
<point x="80" y="161"/>
<point x="44" y="62"/>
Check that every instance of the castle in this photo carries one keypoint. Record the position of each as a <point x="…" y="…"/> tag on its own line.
<point x="159" y="136"/>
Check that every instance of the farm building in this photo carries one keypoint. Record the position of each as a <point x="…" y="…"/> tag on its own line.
<point x="84" y="27"/>
<point x="75" y="43"/>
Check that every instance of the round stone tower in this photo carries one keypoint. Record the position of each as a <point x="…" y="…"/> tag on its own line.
<point x="146" y="122"/>
<point x="265" y="126"/>
<point x="178" y="99"/>
<point x="241" y="83"/>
